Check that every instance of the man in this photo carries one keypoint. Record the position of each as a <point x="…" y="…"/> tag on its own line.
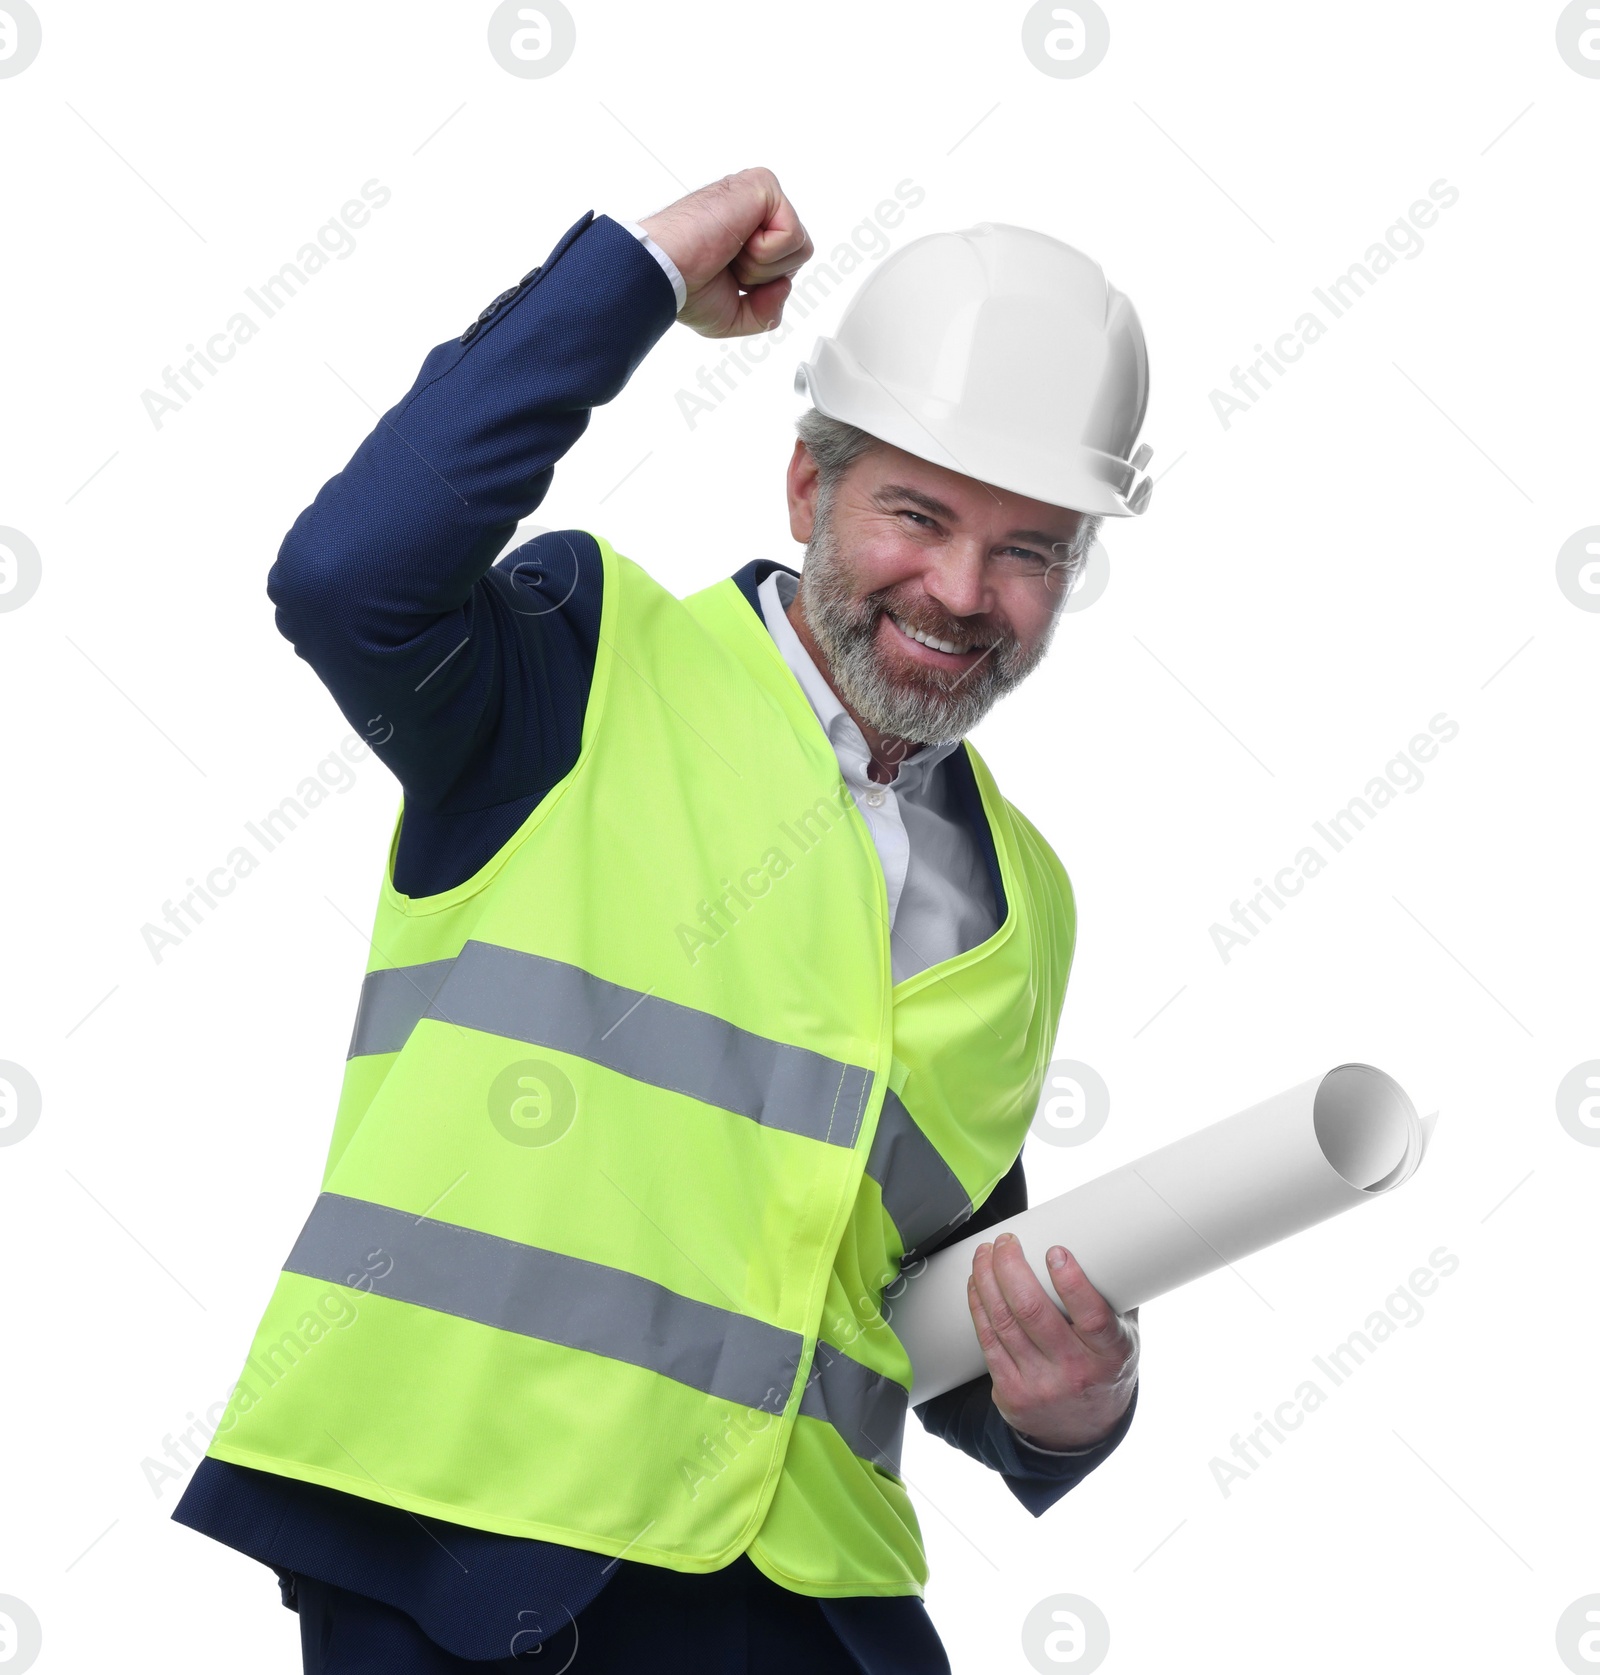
<point x="712" y="986"/>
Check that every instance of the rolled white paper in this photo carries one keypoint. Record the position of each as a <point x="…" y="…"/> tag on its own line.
<point x="1186" y="1210"/>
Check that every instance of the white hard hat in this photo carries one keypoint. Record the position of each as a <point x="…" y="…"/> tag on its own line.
<point x="1003" y="354"/>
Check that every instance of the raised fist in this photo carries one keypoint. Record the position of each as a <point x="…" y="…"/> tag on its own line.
<point x="736" y="242"/>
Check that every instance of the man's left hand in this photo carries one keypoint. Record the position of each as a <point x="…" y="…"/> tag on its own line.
<point x="1062" y="1382"/>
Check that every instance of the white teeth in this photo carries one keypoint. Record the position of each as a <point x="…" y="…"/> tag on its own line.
<point x="927" y="639"/>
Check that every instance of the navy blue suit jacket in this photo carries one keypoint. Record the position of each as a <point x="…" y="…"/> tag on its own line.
<point x="469" y="673"/>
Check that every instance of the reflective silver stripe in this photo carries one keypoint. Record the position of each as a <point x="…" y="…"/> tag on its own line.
<point x="867" y="1409"/>
<point x="549" y="1003"/>
<point x="920" y="1191"/>
<point x="391" y="1002"/>
<point x="544" y="1294"/>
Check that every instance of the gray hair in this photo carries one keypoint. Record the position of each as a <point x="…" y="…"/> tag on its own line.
<point x="836" y="446"/>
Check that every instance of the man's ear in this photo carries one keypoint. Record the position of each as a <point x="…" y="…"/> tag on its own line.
<point x="803" y="483"/>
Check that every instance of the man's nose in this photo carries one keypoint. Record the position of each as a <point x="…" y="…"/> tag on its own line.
<point x="957" y="579"/>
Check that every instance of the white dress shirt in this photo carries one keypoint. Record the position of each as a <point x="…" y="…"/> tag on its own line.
<point x="941" y="902"/>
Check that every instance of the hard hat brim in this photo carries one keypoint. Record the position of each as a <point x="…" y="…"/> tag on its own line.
<point x="1086" y="481"/>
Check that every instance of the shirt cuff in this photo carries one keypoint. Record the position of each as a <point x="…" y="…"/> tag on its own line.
<point x="1117" y="1431"/>
<point x="1053" y="1453"/>
<point x="668" y="266"/>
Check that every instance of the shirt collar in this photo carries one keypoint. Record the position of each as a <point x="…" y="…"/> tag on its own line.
<point x="776" y="593"/>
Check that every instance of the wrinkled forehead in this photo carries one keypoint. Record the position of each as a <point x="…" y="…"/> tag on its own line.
<point x="889" y="477"/>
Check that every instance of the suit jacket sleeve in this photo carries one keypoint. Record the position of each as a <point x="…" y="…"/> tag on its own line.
<point x="387" y="583"/>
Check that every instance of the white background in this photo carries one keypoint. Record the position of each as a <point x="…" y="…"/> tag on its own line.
<point x="1362" y="550"/>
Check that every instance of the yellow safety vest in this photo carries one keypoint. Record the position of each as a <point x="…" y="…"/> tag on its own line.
<point x="635" y="1130"/>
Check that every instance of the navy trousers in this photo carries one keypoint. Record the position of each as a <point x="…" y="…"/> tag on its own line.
<point x="730" y="1622"/>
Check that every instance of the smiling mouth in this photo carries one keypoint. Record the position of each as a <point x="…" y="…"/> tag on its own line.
<point x="929" y="642"/>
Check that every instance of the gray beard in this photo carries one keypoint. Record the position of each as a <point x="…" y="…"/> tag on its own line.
<point x="925" y="706"/>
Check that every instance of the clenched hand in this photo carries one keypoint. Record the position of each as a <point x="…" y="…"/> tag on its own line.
<point x="736" y="242"/>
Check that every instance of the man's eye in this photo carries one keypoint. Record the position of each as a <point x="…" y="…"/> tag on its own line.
<point x="921" y="517"/>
